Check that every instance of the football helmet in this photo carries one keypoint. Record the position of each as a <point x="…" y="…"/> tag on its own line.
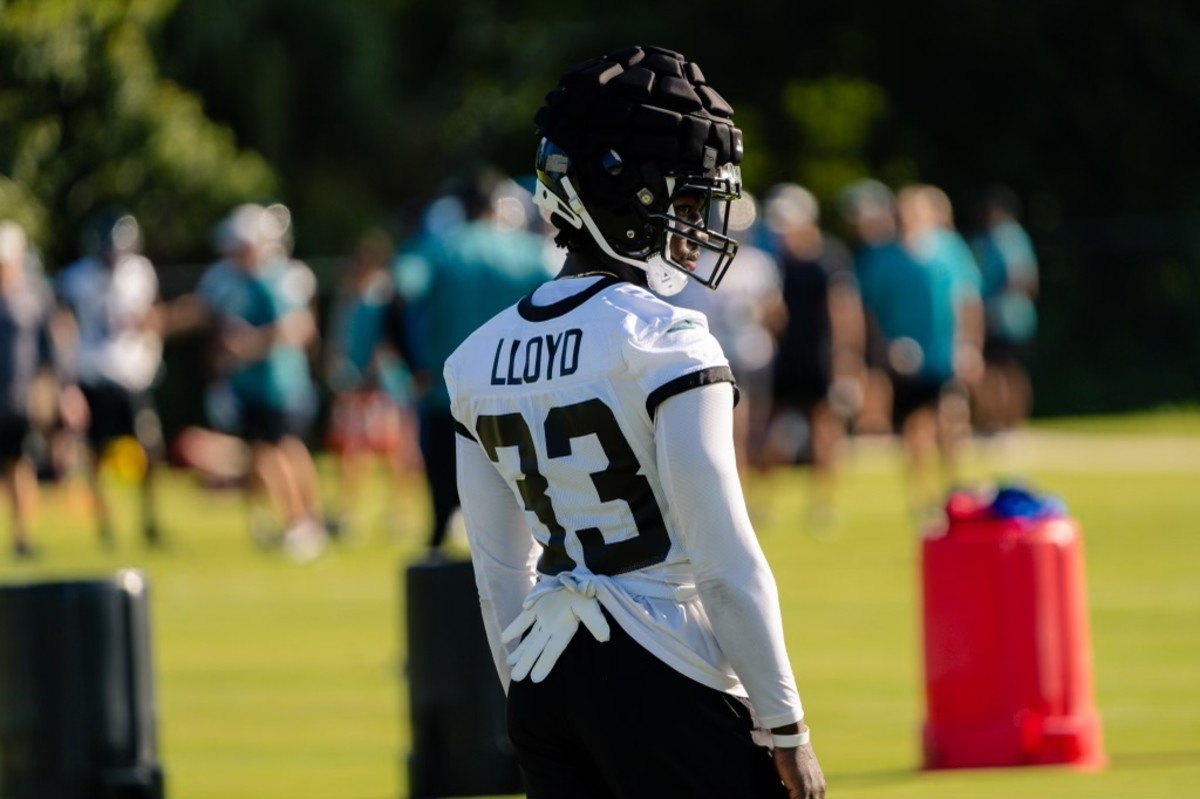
<point x="246" y="227"/>
<point x="13" y="244"/>
<point x="641" y="155"/>
<point x="111" y="234"/>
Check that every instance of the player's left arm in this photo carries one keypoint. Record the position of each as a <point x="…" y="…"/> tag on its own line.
<point x="503" y="551"/>
<point x="694" y="442"/>
<point x="690" y="398"/>
<point x="694" y="439"/>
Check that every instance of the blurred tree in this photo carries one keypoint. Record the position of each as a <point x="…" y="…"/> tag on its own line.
<point x="365" y="108"/>
<point x="835" y="118"/>
<point x="89" y="122"/>
<point x="311" y="85"/>
<point x="1080" y="108"/>
<point x="362" y="108"/>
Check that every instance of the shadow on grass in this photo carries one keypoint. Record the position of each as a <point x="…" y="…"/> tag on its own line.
<point x="1121" y="760"/>
<point x="1187" y="757"/>
<point x="875" y="777"/>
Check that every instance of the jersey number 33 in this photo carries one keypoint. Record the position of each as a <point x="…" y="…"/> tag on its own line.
<point x="619" y="481"/>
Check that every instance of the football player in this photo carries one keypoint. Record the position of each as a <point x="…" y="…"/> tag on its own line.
<point x="110" y="299"/>
<point x="597" y="474"/>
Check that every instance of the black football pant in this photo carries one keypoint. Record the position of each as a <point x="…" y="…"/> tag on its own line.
<point x="612" y="721"/>
<point x="436" y="436"/>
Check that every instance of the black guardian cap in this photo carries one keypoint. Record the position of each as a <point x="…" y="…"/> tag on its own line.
<point x="623" y="136"/>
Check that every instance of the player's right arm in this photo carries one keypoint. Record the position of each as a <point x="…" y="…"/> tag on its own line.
<point x="800" y="772"/>
<point x="503" y="551"/>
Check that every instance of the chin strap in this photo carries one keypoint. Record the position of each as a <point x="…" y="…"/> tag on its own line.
<point x="666" y="281"/>
<point x="662" y="278"/>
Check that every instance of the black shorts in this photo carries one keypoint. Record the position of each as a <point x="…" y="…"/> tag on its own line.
<point x="113" y="412"/>
<point x="801" y="383"/>
<point x="910" y="394"/>
<point x="266" y="425"/>
<point x="1003" y="351"/>
<point x="14" y="430"/>
<point x="611" y="720"/>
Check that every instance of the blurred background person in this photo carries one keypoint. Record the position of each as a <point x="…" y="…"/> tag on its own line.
<point x="819" y="369"/>
<point x="292" y="285"/>
<point x="110" y="297"/>
<point x="931" y="235"/>
<point x="745" y="316"/>
<point x="36" y="385"/>
<point x="464" y="269"/>
<point x="1010" y="285"/>
<point x="369" y="380"/>
<point x="258" y="303"/>
<point x="912" y="298"/>
<point x="868" y="211"/>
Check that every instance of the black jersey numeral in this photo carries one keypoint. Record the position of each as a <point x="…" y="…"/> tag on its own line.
<point x="620" y="480"/>
<point x="510" y="430"/>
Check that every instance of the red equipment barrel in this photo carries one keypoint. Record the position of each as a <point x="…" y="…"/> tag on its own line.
<point x="1008" y="662"/>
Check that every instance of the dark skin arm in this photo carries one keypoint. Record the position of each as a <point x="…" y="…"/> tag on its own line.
<point x="798" y="766"/>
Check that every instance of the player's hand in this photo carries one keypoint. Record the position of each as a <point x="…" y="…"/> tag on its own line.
<point x="73" y="408"/>
<point x="846" y="397"/>
<point x="552" y="616"/>
<point x="968" y="364"/>
<point x="297" y="328"/>
<point x="800" y="772"/>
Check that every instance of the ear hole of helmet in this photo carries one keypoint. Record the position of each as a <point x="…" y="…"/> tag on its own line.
<point x="629" y="230"/>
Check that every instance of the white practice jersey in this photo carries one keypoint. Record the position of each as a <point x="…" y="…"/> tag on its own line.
<point x="110" y="305"/>
<point x="561" y="393"/>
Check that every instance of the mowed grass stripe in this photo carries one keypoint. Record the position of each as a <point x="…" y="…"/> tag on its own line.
<point x="283" y="680"/>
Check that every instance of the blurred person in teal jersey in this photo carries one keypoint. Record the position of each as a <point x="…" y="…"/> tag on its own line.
<point x="259" y="302"/>
<point x="912" y="300"/>
<point x="1010" y="285"/>
<point x="370" y="381"/>
<point x="927" y="218"/>
<point x="464" y="269"/>
<point x="868" y="211"/>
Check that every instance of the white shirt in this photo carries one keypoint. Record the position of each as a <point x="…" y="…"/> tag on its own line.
<point x="598" y="418"/>
<point x="109" y="305"/>
<point x="735" y="311"/>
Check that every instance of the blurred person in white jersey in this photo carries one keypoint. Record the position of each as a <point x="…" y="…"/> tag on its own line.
<point x="111" y="295"/>
<point x="745" y="317"/>
<point x="597" y="472"/>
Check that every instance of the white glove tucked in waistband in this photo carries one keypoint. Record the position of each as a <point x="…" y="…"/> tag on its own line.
<point x="553" y="610"/>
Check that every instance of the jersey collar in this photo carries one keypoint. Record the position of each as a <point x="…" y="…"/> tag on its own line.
<point x="544" y="313"/>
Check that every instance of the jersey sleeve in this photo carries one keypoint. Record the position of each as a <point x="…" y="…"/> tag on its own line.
<point x="64" y="287"/>
<point x="694" y="445"/>
<point x="503" y="551"/>
<point x="413" y="272"/>
<point x="673" y="351"/>
<point x="448" y="374"/>
<point x="219" y="290"/>
<point x="147" y="279"/>
<point x="1016" y="249"/>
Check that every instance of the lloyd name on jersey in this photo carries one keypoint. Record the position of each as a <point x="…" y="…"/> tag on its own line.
<point x="528" y="359"/>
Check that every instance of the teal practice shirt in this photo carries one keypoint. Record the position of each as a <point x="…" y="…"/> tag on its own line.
<point x="916" y="300"/>
<point x="283" y="379"/>
<point x="455" y="281"/>
<point x="1006" y="256"/>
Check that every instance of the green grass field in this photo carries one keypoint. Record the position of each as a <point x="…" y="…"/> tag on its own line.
<point x="279" y="680"/>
